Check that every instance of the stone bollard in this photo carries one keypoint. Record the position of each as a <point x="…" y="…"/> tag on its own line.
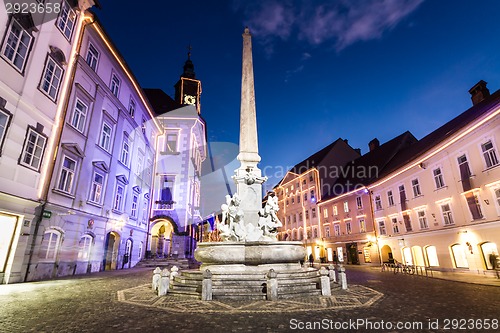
<point x="206" y="286"/>
<point x="156" y="279"/>
<point x="331" y="273"/>
<point x="325" y="282"/>
<point x="164" y="282"/>
<point x="174" y="271"/>
<point x="272" y="285"/>
<point x="342" y="277"/>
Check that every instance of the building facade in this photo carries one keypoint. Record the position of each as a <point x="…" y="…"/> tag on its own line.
<point x="36" y="62"/>
<point x="440" y="206"/>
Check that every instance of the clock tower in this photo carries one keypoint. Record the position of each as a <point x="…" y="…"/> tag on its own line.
<point x="188" y="88"/>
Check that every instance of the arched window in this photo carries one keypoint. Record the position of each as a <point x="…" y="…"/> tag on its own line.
<point x="50" y="245"/>
<point x="432" y="258"/>
<point x="408" y="260"/>
<point x="141" y="245"/>
<point x="489" y="249"/>
<point x="85" y="246"/>
<point x="459" y="258"/>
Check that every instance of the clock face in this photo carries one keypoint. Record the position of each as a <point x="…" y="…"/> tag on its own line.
<point x="188" y="99"/>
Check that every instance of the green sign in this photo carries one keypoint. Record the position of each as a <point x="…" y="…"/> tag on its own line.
<point x="46" y="214"/>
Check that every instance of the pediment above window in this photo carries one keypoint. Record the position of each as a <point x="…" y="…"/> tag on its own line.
<point x="58" y="55"/>
<point x="101" y="165"/>
<point x="73" y="148"/>
<point x="136" y="189"/>
<point x="26" y="21"/>
<point x="122" y="179"/>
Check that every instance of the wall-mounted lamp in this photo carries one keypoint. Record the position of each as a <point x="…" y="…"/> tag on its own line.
<point x="486" y="201"/>
<point x="422" y="166"/>
<point x="469" y="245"/>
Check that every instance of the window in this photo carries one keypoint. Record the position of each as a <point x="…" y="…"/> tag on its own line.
<point x="407" y="221"/>
<point x="125" y="150"/>
<point x="422" y="219"/>
<point x="447" y="217"/>
<point x="305" y="196"/>
<point x="96" y="187"/>
<point x="287" y="202"/>
<point x="145" y="215"/>
<point x="140" y="158"/>
<point x="143" y="126"/>
<point x="293" y="199"/>
<point x="311" y="177"/>
<point x="298" y="198"/>
<point x="52" y="75"/>
<point x="172" y="143"/>
<point x="395" y="226"/>
<point x="359" y="203"/>
<point x="85" y="246"/>
<point x="416" y="188"/>
<point x="348" y="227"/>
<point x="381" y="227"/>
<point x="346" y="207"/>
<point x="313" y="212"/>
<point x="327" y="231"/>
<point x="315" y="233"/>
<point x="459" y="257"/>
<point x="463" y="165"/>
<point x="33" y="149"/>
<point x="118" y="197"/>
<point x="378" y="202"/>
<point x="79" y="115"/>
<point x="105" y="141"/>
<point x="50" y="245"/>
<point x="432" y="258"/>
<point x="336" y="229"/>
<point x="313" y="198"/>
<point x="133" y="210"/>
<point x="92" y="57"/>
<point x="67" y="175"/>
<point x="390" y="198"/>
<point x="115" y="85"/>
<point x="325" y="212"/>
<point x="307" y="214"/>
<point x="131" y="107"/>
<point x="4" y="123"/>
<point x="300" y="217"/>
<point x="335" y="210"/>
<point x="438" y="178"/>
<point x="362" y="225"/>
<point x="497" y="196"/>
<point x="489" y="154"/>
<point x="167" y="183"/>
<point x="16" y="46"/>
<point x="66" y="20"/>
<point x="294" y="218"/>
<point x="474" y="205"/>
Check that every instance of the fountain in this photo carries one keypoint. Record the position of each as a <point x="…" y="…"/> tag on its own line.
<point x="250" y="258"/>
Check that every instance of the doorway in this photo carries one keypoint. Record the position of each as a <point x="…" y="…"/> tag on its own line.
<point x="112" y="247"/>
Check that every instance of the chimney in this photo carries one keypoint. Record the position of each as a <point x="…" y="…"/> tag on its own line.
<point x="374" y="144"/>
<point x="358" y="150"/>
<point x="479" y="92"/>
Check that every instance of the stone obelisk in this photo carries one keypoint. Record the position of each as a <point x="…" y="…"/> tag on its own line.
<point x="248" y="176"/>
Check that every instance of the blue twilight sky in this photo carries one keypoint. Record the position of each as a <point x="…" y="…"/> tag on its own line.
<point x="323" y="69"/>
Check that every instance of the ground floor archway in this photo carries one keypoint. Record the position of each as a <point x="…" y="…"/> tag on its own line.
<point x="161" y="237"/>
<point x="112" y="247"/>
<point x="386" y="252"/>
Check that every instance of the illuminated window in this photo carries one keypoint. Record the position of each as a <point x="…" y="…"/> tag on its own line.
<point x="105" y="140"/>
<point x="459" y="257"/>
<point x="327" y="231"/>
<point x="66" y="20"/>
<point x="381" y="227"/>
<point x="359" y="203"/>
<point x="325" y="212"/>
<point x="335" y="210"/>
<point x="390" y="198"/>
<point x="348" y="227"/>
<point x="416" y="188"/>
<point x="362" y="225"/>
<point x="96" y="187"/>
<point x="307" y="214"/>
<point x="313" y="212"/>
<point x="50" y="245"/>
<point x="4" y="123"/>
<point x="34" y="146"/>
<point x="489" y="154"/>
<point x="92" y="57"/>
<point x="447" y="216"/>
<point x="79" y="115"/>
<point x="346" y="207"/>
<point x="336" y="229"/>
<point x="438" y="178"/>
<point x="16" y="46"/>
<point x="432" y="258"/>
<point x="52" y="75"/>
<point x="115" y="85"/>
<point x="497" y="196"/>
<point x="85" y="245"/>
<point x="422" y="219"/>
<point x="67" y="175"/>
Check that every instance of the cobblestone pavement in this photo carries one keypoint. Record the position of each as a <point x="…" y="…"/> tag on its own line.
<point x="90" y="304"/>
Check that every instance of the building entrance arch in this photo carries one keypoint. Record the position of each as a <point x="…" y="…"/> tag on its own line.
<point x="386" y="252"/>
<point x="112" y="247"/>
<point x="160" y="237"/>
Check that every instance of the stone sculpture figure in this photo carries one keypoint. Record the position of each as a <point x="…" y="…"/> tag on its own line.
<point x="269" y="222"/>
<point x="231" y="227"/>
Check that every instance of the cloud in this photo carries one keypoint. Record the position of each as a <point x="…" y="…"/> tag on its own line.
<point x="339" y="22"/>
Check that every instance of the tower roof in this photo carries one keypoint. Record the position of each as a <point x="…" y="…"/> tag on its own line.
<point x="189" y="67"/>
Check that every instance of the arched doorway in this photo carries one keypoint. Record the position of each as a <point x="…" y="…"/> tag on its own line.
<point x="127" y="257"/>
<point x="387" y="254"/>
<point x="418" y="255"/>
<point x="161" y="235"/>
<point x="112" y="247"/>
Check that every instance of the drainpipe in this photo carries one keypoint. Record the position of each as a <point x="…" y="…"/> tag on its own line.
<point x="372" y="212"/>
<point x="58" y="135"/>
